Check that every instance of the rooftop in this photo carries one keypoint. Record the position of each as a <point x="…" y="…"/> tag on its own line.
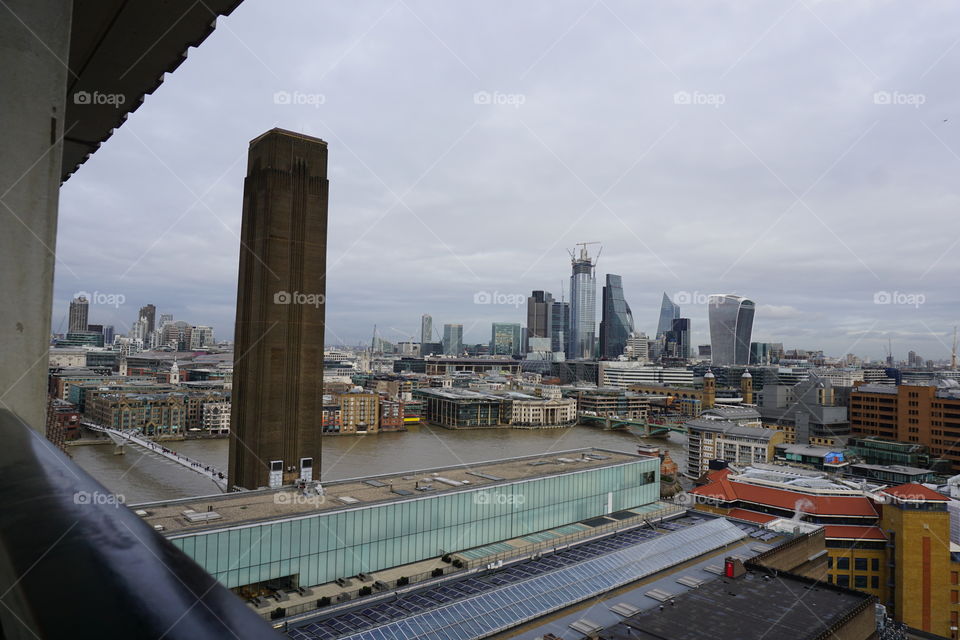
<point x="751" y="607"/>
<point x="271" y="504"/>
<point x="730" y="428"/>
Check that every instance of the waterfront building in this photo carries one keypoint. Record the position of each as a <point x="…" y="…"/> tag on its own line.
<point x="462" y="408"/>
<point x="583" y="306"/>
<point x="280" y="312"/>
<point x="610" y="403"/>
<point x="216" y="418"/>
<point x="624" y="374"/>
<point x="616" y="324"/>
<point x="731" y="324"/>
<point x="712" y="439"/>
<point x="359" y="411"/>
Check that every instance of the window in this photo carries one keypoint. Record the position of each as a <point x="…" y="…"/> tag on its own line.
<point x="874" y="582"/>
<point x="843" y="581"/>
<point x="860" y="564"/>
<point x="860" y="582"/>
<point x="875" y="565"/>
<point x="843" y="564"/>
<point x="830" y="566"/>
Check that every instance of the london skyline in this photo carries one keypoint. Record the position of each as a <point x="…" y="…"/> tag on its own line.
<point x="733" y="190"/>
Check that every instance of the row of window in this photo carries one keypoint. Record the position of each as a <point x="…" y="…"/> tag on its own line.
<point x="859" y="564"/>
<point x="859" y="581"/>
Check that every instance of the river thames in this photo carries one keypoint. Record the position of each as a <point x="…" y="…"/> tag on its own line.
<point x="143" y="477"/>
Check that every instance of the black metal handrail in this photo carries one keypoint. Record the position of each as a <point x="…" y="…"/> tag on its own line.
<point x="76" y="563"/>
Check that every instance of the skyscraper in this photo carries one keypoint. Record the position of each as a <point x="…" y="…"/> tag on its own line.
<point x="149" y="312"/>
<point x="560" y="327"/>
<point x="583" y="305"/>
<point x="79" y="314"/>
<point x="426" y="328"/>
<point x="452" y="339"/>
<point x="278" y="374"/>
<point x="668" y="313"/>
<point x="538" y="314"/>
<point x="731" y="323"/>
<point x="616" y="322"/>
<point x="679" y="336"/>
<point x="505" y="339"/>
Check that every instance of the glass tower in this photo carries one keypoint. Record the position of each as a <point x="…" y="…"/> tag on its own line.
<point x="426" y="328"/>
<point x="668" y="313"/>
<point x="583" y="306"/>
<point x="453" y="339"/>
<point x="505" y="339"/>
<point x="560" y="327"/>
<point x="616" y="324"/>
<point x="731" y="323"/>
<point x="538" y="314"/>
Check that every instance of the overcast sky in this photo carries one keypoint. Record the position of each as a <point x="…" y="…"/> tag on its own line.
<point x="803" y="154"/>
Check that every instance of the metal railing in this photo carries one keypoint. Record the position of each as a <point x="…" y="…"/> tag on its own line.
<point x="75" y="562"/>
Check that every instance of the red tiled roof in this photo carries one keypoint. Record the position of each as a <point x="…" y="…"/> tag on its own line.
<point x="751" y="516"/>
<point x="915" y="493"/>
<point x="725" y="490"/>
<point x="853" y="532"/>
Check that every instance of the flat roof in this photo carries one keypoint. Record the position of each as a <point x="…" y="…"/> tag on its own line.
<point x="254" y="507"/>
<point x="751" y="607"/>
<point x="731" y="428"/>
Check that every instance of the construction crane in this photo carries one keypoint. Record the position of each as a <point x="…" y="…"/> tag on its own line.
<point x="583" y="252"/>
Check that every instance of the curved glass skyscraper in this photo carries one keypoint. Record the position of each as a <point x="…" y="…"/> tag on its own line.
<point x="731" y="323"/>
<point x="583" y="306"/>
<point x="668" y="313"/>
<point x="616" y="322"/>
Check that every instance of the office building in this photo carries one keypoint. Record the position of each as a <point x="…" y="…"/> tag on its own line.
<point x="678" y="339"/>
<point x="808" y="412"/>
<point x="668" y="313"/>
<point x="149" y="312"/>
<point x="766" y="352"/>
<point x="108" y="334"/>
<point x="506" y="339"/>
<point x="920" y="415"/>
<point x="539" y="308"/>
<point x="616" y="324"/>
<point x="79" y="314"/>
<point x="731" y="324"/>
<point x="560" y="327"/>
<point x="637" y="347"/>
<point x="278" y="383"/>
<point x="453" y="339"/>
<point x="200" y="337"/>
<point x="626" y="374"/>
<point x="426" y="329"/>
<point x="583" y="306"/>
<point x="712" y="439"/>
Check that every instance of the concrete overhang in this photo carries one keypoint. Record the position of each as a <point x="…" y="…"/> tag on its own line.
<point x="119" y="53"/>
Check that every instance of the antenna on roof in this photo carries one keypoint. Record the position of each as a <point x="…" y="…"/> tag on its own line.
<point x="953" y="351"/>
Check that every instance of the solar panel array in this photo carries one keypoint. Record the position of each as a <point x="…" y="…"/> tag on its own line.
<point x="483" y="605"/>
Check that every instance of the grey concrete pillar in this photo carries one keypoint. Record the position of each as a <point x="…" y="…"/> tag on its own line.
<point x="34" y="50"/>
